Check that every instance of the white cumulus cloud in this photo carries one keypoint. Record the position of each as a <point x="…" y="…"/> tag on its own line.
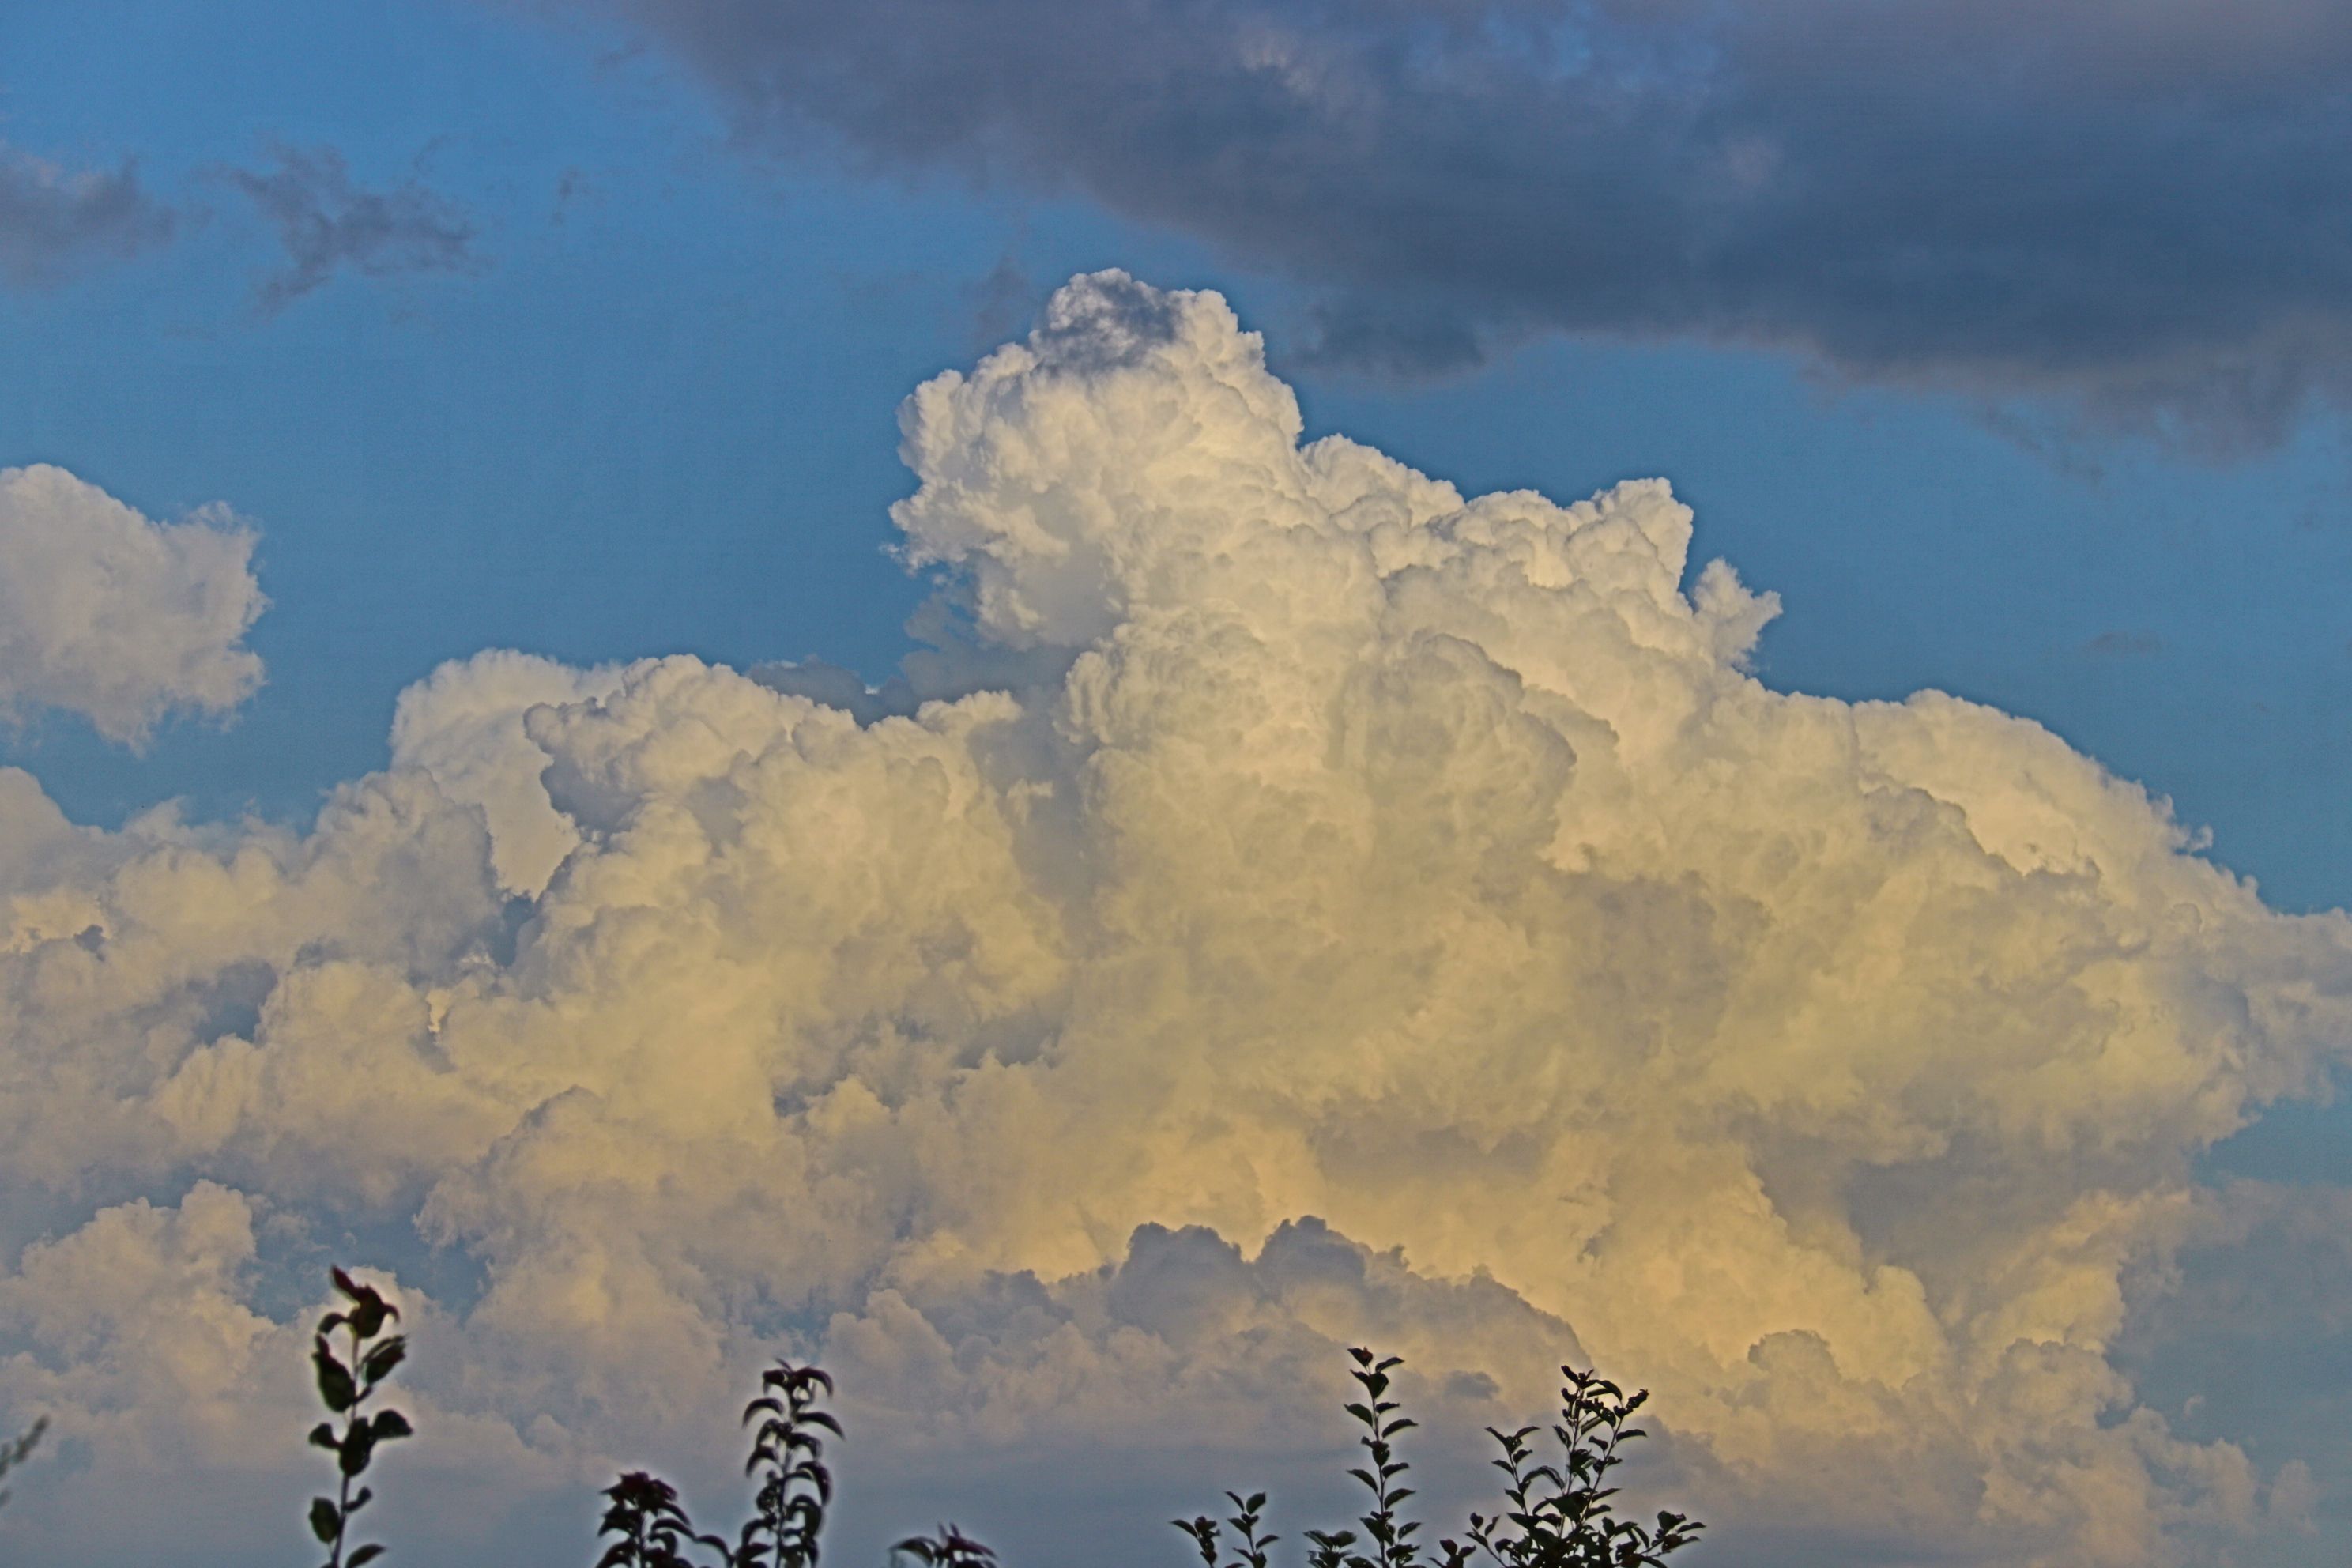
<point x="1371" y="915"/>
<point x="464" y="724"/>
<point x="106" y="613"/>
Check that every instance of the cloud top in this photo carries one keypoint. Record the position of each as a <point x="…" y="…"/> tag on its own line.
<point x="1357" y="912"/>
<point x="122" y="620"/>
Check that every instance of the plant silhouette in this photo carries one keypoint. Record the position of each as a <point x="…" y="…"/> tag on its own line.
<point x="17" y="1451"/>
<point x="788" y="1456"/>
<point x="1560" y="1516"/>
<point x="1247" y="1512"/>
<point x="1554" y="1513"/>
<point x="1391" y="1538"/>
<point x="951" y="1548"/>
<point x="651" y="1524"/>
<point x="788" y="1510"/>
<point x="345" y="1388"/>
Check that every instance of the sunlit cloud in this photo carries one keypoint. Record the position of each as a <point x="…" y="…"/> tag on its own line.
<point x="120" y="619"/>
<point x="1296" y="905"/>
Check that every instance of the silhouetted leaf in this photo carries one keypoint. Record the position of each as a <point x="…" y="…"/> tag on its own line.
<point x="383" y="1358"/>
<point x="1205" y="1533"/>
<point x="335" y="1386"/>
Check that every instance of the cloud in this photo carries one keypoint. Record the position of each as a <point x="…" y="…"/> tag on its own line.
<point x="136" y="1330"/>
<point x="55" y="224"/>
<point x="325" y="222"/>
<point x="1355" y="912"/>
<point x="105" y="614"/>
<point x="2137" y="208"/>
<point x="464" y="725"/>
<point x="2116" y="642"/>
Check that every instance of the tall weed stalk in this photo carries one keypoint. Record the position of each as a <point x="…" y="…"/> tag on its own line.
<point x="345" y="1388"/>
<point x="1390" y="1536"/>
<point x="1554" y="1513"/>
<point x="16" y="1450"/>
<point x="788" y="1456"/>
<point x="650" y="1526"/>
<point x="1560" y="1516"/>
<point x="1206" y="1534"/>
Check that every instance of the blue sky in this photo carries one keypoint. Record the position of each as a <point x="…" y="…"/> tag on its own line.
<point x="653" y="415"/>
<point x="615" y="375"/>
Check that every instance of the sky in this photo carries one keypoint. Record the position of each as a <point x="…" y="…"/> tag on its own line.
<point x="1069" y="705"/>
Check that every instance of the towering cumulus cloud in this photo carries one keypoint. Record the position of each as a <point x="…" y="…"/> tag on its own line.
<point x="1313" y="907"/>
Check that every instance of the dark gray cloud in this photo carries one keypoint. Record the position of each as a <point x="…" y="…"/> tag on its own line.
<point x="55" y="224"/>
<point x="2145" y="207"/>
<point x="326" y="222"/>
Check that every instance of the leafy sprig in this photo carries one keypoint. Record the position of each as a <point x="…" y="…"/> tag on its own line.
<point x="1206" y="1532"/>
<point x="651" y="1524"/>
<point x="951" y="1548"/>
<point x="16" y="1450"/>
<point x="1561" y="1516"/>
<point x="788" y="1456"/>
<point x="1554" y="1515"/>
<point x="344" y="1387"/>
<point x="1332" y="1549"/>
<point x="1389" y="1536"/>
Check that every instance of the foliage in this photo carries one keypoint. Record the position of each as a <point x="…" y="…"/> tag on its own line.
<point x="1555" y="1515"/>
<point x="951" y="1548"/>
<point x="1251" y="1553"/>
<point x="15" y="1452"/>
<point x="1332" y="1549"/>
<point x="1560" y="1515"/>
<point x="1391" y="1539"/>
<point x="788" y="1511"/>
<point x="345" y="1388"/>
<point x="651" y="1522"/>
<point x="788" y="1459"/>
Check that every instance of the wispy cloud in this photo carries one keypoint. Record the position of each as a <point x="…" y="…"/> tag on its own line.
<point x="326" y="222"/>
<point x="56" y="223"/>
<point x="2141" y="208"/>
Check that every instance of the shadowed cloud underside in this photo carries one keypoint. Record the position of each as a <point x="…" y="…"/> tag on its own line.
<point x="2140" y="209"/>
